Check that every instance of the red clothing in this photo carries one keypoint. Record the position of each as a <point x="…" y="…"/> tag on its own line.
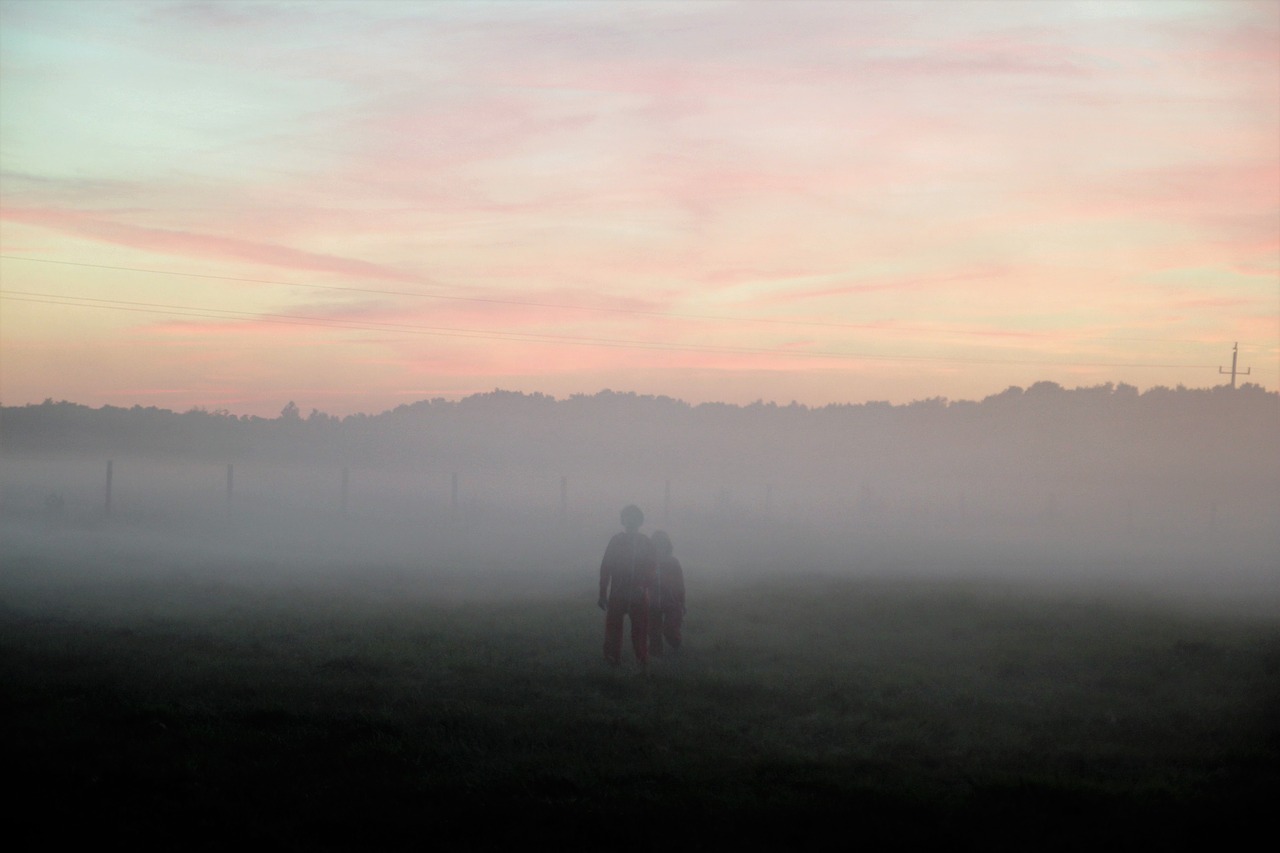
<point x="639" y="613"/>
<point x="626" y="574"/>
<point x="666" y="613"/>
<point x="668" y="583"/>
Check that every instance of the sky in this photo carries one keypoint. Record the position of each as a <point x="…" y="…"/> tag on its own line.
<point x="356" y="205"/>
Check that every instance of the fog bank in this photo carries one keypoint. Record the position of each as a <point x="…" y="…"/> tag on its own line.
<point x="1172" y="490"/>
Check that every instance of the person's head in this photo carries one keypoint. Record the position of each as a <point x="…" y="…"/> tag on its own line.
<point x="632" y="517"/>
<point x="662" y="543"/>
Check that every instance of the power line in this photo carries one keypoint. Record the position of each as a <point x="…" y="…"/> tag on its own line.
<point x="521" y="337"/>
<point x="482" y="299"/>
<point x="566" y="307"/>
<point x="418" y="295"/>
<point x="329" y="322"/>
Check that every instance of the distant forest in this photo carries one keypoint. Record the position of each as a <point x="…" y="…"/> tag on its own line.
<point x="1062" y="467"/>
<point x="1220" y="435"/>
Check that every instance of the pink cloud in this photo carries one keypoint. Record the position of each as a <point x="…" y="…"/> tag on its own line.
<point x="1191" y="192"/>
<point x="1270" y="269"/>
<point x="985" y="57"/>
<point x="983" y="274"/>
<point x="185" y="243"/>
<point x="1212" y="302"/>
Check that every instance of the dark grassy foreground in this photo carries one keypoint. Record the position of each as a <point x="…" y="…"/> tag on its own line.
<point x="187" y="712"/>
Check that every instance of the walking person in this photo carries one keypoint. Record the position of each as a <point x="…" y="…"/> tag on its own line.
<point x="626" y="574"/>
<point x="667" y="607"/>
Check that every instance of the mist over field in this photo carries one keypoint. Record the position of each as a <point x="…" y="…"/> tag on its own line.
<point x="1018" y="623"/>
<point x="1172" y="491"/>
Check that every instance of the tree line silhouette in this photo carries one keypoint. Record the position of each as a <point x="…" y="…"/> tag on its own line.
<point x="1099" y="435"/>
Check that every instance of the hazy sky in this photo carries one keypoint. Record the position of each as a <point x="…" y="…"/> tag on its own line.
<point x="356" y="205"/>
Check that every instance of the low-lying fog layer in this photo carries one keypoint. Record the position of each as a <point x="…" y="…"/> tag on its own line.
<point x="1173" y="492"/>
<point x="290" y="527"/>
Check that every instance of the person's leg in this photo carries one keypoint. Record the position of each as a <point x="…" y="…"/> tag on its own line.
<point x="656" y="617"/>
<point x="671" y="627"/>
<point x="613" y="634"/>
<point x="640" y="632"/>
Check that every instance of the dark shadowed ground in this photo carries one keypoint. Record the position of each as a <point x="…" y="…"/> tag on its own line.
<point x="178" y="704"/>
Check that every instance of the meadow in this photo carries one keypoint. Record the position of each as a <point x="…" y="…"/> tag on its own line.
<point x="161" y="702"/>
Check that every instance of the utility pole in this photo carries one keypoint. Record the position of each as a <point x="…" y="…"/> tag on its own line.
<point x="1235" y="353"/>
<point x="564" y="500"/>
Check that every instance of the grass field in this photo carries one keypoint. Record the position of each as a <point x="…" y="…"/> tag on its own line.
<point x="189" y="709"/>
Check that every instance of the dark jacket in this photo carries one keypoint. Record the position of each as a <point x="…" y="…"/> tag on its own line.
<point x="626" y="572"/>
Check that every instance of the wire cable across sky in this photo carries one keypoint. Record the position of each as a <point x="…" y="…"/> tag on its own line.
<point x="883" y="328"/>
<point x="529" y="337"/>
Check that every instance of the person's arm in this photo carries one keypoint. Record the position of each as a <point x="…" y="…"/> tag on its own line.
<point x="605" y="564"/>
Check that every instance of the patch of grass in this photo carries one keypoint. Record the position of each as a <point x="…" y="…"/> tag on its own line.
<point x="191" y="714"/>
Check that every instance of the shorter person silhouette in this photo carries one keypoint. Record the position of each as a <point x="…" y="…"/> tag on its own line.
<point x="666" y="598"/>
